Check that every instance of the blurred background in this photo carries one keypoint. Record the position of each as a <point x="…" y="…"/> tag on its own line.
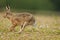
<point x="32" y="5"/>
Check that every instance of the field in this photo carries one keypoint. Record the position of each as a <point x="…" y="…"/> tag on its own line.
<point x="47" y="28"/>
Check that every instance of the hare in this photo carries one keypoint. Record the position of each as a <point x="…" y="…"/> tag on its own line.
<point x="22" y="19"/>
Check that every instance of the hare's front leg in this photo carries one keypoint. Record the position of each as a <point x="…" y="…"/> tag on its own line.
<point x="22" y="27"/>
<point x="12" y="28"/>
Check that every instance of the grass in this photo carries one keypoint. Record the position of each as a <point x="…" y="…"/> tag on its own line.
<point x="47" y="28"/>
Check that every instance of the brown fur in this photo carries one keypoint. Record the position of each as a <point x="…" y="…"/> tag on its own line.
<point x="22" y="19"/>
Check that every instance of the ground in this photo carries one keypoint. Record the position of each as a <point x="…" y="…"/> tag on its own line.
<point x="47" y="28"/>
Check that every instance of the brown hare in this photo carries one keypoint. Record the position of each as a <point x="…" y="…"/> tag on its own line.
<point x="22" y="19"/>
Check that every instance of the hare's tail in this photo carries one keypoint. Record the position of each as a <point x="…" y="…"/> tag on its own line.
<point x="35" y="24"/>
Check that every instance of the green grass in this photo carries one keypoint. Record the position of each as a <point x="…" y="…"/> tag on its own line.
<point x="47" y="28"/>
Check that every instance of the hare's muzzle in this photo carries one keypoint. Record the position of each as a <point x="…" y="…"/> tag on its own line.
<point x="4" y="15"/>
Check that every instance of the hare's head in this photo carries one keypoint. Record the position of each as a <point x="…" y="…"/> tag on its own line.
<point x="7" y="13"/>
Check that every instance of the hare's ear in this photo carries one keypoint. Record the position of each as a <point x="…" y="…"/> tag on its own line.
<point x="8" y="8"/>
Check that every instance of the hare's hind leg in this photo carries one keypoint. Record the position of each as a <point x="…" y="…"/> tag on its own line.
<point x="22" y="27"/>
